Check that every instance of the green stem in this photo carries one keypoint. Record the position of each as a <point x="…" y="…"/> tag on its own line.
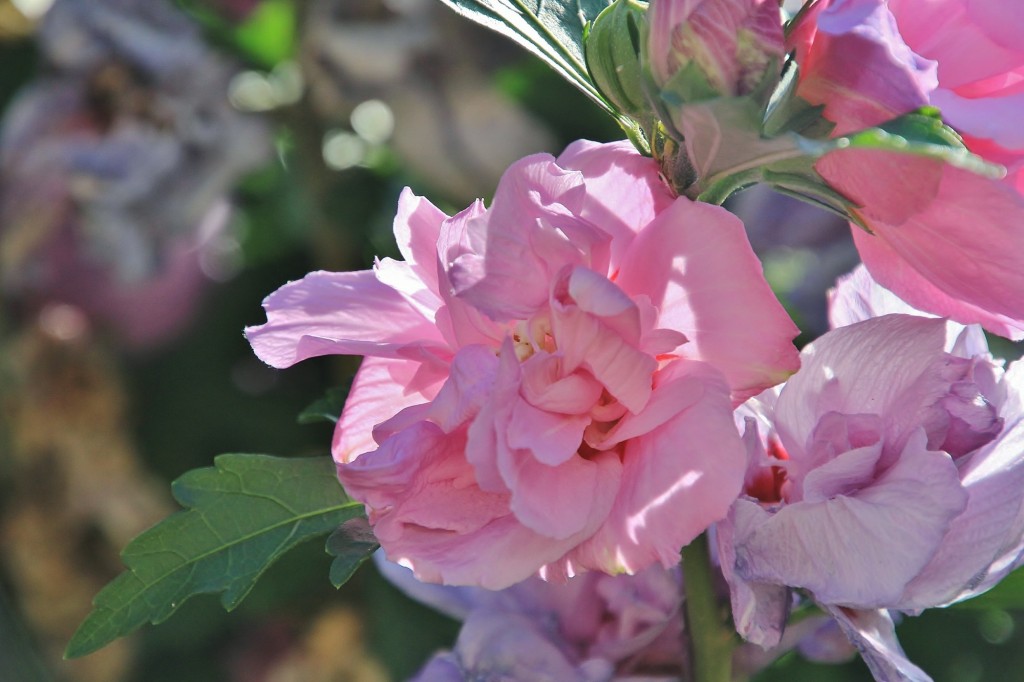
<point x="711" y="637"/>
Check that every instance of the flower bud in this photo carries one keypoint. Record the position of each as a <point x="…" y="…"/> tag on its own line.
<point x="612" y="51"/>
<point x="721" y="47"/>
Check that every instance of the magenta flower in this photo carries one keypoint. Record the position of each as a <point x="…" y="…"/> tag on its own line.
<point x="730" y="42"/>
<point x="549" y="381"/>
<point x="949" y="242"/>
<point x="887" y="474"/>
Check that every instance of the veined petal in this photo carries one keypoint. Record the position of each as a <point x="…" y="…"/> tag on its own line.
<point x="874" y="636"/>
<point x="564" y="500"/>
<point x="417" y="230"/>
<point x="889" y="366"/>
<point x="992" y="525"/>
<point x="529" y="234"/>
<point x="695" y="264"/>
<point x="550" y="438"/>
<point x="860" y="549"/>
<point x="858" y="297"/>
<point x="339" y="313"/>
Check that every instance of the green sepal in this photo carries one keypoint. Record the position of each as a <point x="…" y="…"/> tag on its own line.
<point x="240" y="516"/>
<point x="613" y="56"/>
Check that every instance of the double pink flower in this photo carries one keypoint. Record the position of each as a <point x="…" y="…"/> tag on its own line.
<point x="549" y="381"/>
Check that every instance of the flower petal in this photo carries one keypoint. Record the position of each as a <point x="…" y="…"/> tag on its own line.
<point x="874" y="636"/>
<point x="677" y="479"/>
<point x="992" y="525"/>
<point x="339" y="313"/>
<point x="860" y="549"/>
<point x="378" y="393"/>
<point x="625" y="191"/>
<point x="952" y="247"/>
<point x="697" y="267"/>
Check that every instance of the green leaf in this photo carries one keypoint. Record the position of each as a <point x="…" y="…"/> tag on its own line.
<point x="350" y="545"/>
<point x="550" y="29"/>
<point x="327" y="408"/>
<point x="241" y="515"/>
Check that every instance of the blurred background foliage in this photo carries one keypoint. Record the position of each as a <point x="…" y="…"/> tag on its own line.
<point x="223" y="148"/>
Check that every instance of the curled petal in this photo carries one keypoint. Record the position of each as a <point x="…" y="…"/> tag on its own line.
<point x="695" y="264"/>
<point x="859" y="549"/>
<point x="339" y="313"/>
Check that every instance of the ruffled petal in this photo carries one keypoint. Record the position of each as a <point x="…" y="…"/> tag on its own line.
<point x="695" y="264"/>
<point x="677" y="479"/>
<point x="340" y="313"/>
<point x="860" y="549"/>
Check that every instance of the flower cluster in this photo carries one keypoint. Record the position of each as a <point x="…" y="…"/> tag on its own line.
<point x="591" y="372"/>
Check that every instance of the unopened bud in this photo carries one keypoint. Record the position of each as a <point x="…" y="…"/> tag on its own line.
<point x="613" y="56"/>
<point x="719" y="47"/>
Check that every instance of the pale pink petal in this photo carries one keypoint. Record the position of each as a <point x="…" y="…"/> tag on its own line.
<point x="417" y="230"/>
<point x="529" y="234"/>
<point x="695" y="264"/>
<point x="551" y="438"/>
<point x="962" y="233"/>
<point x="406" y="280"/>
<point x="339" y="313"/>
<point x="860" y="549"/>
<point x="486" y="439"/>
<point x="585" y="341"/>
<point x="596" y="295"/>
<point x="625" y="191"/>
<point x="429" y="514"/>
<point x="378" y="393"/>
<point x="677" y="479"/>
<point x="469" y="384"/>
<point x="547" y="387"/>
<point x="858" y="297"/>
<point x="970" y="39"/>
<point x="570" y="499"/>
<point x="888" y="267"/>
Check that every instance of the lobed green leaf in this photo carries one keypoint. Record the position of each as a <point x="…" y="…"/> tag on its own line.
<point x="241" y="515"/>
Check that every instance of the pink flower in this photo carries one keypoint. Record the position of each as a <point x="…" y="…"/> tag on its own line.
<point x="887" y="474"/>
<point x="549" y="381"/>
<point x="730" y="42"/>
<point x="945" y="240"/>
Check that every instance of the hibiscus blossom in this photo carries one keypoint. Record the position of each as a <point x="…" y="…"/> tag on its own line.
<point x="887" y="474"/>
<point x="549" y="381"/>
